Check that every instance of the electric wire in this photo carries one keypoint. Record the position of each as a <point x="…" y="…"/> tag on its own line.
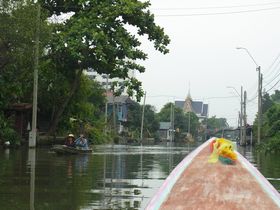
<point x="271" y="80"/>
<point x="273" y="68"/>
<point x="272" y="86"/>
<point x="218" y="13"/>
<point x="218" y="7"/>
<point x="267" y="71"/>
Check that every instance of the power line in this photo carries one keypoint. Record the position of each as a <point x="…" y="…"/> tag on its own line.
<point x="218" y="13"/>
<point x="272" y="64"/>
<point x="217" y="7"/>
<point x="272" y="80"/>
<point x="221" y="97"/>
<point x="252" y="99"/>
<point x="272" y="86"/>
<point x="273" y="77"/>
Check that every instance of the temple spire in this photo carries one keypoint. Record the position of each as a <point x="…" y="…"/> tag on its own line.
<point x="189" y="92"/>
<point x="188" y="102"/>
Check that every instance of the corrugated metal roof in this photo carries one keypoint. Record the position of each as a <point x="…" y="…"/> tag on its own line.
<point x="205" y="110"/>
<point x="119" y="99"/>
<point x="164" y="125"/>
<point x="179" y="104"/>
<point x="197" y="107"/>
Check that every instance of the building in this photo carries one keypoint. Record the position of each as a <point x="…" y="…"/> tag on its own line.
<point x="197" y="107"/>
<point x="165" y="130"/>
<point x="104" y="79"/>
<point x="19" y="114"/>
<point x="119" y="105"/>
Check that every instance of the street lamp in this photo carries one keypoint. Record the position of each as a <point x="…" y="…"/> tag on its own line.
<point x="258" y="68"/>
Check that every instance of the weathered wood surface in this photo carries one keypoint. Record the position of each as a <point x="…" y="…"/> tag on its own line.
<point x="204" y="185"/>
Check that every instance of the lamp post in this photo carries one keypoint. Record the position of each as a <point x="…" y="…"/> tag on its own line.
<point x="258" y="69"/>
<point x="241" y="112"/>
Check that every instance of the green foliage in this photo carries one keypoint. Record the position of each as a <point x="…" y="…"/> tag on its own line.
<point x="181" y="120"/>
<point x="150" y="124"/>
<point x="216" y="123"/>
<point x="7" y="133"/>
<point x="95" y="36"/>
<point x="267" y="102"/>
<point x="96" y="135"/>
<point x="272" y="145"/>
<point x="85" y="107"/>
<point x="272" y="121"/>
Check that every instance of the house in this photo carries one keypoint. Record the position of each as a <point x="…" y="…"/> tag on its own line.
<point x="197" y="107"/>
<point x="19" y="115"/>
<point x="119" y="105"/>
<point x="165" y="130"/>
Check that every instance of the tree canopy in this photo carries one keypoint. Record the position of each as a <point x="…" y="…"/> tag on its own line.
<point x="96" y="34"/>
<point x="183" y="122"/>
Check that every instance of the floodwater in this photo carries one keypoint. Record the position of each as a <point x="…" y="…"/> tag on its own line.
<point x="112" y="177"/>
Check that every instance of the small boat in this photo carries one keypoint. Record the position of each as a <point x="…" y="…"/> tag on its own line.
<point x="196" y="183"/>
<point x="63" y="149"/>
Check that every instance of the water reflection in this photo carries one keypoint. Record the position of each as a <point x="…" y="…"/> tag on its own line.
<point x="267" y="164"/>
<point x="32" y="163"/>
<point x="133" y="174"/>
<point x="113" y="177"/>
<point x="7" y="153"/>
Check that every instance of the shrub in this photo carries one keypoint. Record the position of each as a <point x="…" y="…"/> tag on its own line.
<point x="272" y="145"/>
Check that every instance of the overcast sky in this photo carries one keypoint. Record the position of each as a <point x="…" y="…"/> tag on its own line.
<point x="203" y="53"/>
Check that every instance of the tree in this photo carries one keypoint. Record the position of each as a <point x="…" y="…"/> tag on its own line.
<point x="216" y="123"/>
<point x="17" y="35"/>
<point x="271" y="123"/>
<point x="96" y="36"/>
<point x="272" y="120"/>
<point x="181" y="119"/>
<point x="267" y="102"/>
<point x="150" y="125"/>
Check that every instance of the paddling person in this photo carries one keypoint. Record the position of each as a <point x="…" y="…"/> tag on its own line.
<point x="70" y="140"/>
<point x="81" y="142"/>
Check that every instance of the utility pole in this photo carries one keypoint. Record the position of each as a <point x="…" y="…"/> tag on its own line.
<point x="114" y="113"/>
<point x="245" y="118"/>
<point x="173" y="106"/>
<point x="239" y="124"/>
<point x="32" y="141"/>
<point x="259" y="103"/>
<point x="171" y="122"/>
<point x="189" y="123"/>
<point x="106" y="104"/>
<point x="241" y="116"/>
<point x="142" y="121"/>
<point x="258" y="68"/>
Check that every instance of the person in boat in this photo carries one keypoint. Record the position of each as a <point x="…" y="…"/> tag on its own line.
<point x="70" y="140"/>
<point x="81" y="142"/>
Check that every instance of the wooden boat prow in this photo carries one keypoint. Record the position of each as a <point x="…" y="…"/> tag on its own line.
<point x="63" y="149"/>
<point x="196" y="184"/>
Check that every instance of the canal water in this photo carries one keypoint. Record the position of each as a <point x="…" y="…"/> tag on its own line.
<point x="113" y="177"/>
